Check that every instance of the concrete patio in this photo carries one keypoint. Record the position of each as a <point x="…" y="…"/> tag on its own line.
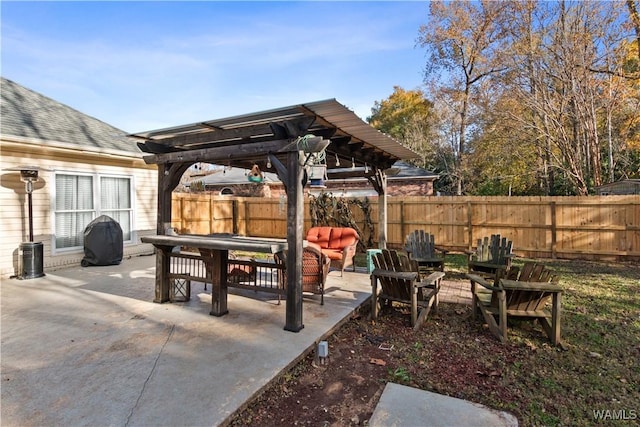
<point x="87" y="346"/>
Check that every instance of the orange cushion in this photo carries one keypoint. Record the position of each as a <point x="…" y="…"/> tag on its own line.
<point x="342" y="237"/>
<point x="319" y="236"/>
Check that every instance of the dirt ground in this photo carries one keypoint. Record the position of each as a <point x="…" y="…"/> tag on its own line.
<point x="344" y="389"/>
<point x="456" y="355"/>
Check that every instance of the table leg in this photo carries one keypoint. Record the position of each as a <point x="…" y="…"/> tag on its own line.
<point x="216" y="263"/>
<point x="163" y="265"/>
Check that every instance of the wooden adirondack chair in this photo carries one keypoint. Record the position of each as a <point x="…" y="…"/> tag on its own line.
<point x="491" y="257"/>
<point x="400" y="282"/>
<point x="523" y="294"/>
<point x="421" y="248"/>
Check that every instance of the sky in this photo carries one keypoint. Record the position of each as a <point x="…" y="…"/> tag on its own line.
<point x="148" y="65"/>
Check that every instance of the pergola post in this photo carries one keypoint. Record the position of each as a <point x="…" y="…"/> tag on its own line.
<point x="164" y="218"/>
<point x="295" y="223"/>
<point x="168" y="178"/>
<point x="379" y="182"/>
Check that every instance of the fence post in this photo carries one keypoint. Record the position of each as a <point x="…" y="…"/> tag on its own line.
<point x="246" y="217"/>
<point x="234" y="216"/>
<point x="212" y="215"/>
<point x="402" y="228"/>
<point x="469" y="226"/>
<point x="553" y="230"/>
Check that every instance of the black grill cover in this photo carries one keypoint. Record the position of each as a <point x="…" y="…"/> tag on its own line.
<point x="102" y="242"/>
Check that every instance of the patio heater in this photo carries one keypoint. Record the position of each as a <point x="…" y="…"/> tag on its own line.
<point x="30" y="253"/>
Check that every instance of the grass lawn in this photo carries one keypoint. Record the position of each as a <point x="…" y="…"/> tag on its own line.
<point x="595" y="375"/>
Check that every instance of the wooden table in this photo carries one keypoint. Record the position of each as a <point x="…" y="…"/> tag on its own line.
<point x="214" y="251"/>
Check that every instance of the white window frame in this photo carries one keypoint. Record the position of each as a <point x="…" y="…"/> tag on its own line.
<point x="97" y="209"/>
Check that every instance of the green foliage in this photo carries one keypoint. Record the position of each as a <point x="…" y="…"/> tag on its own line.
<point x="409" y="117"/>
<point x="397" y="113"/>
<point x="400" y="375"/>
<point x="196" y="186"/>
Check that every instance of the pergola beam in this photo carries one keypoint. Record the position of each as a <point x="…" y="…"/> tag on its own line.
<point x="275" y="130"/>
<point x="223" y="154"/>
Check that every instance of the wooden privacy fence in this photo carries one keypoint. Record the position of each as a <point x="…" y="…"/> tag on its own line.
<point x="591" y="227"/>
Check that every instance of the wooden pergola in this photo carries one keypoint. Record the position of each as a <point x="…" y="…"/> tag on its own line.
<point x="271" y="139"/>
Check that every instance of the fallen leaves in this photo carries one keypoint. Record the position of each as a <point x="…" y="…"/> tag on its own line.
<point x="378" y="362"/>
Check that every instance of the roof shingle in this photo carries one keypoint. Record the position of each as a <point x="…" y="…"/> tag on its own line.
<point x="28" y="114"/>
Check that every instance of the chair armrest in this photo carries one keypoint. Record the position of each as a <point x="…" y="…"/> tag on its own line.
<point x="530" y="286"/>
<point x="482" y="282"/>
<point x="470" y="254"/>
<point x="351" y="247"/>
<point x="402" y="275"/>
<point x="313" y="248"/>
<point x="308" y="244"/>
<point x="349" y="251"/>
<point x="441" y="249"/>
<point x="431" y="279"/>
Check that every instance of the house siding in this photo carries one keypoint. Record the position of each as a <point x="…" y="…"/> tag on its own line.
<point x="631" y="186"/>
<point x="14" y="212"/>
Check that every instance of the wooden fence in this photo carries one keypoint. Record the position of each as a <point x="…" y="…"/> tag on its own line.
<point x="593" y="227"/>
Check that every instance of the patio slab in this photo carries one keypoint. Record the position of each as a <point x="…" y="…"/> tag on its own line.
<point x="400" y="405"/>
<point x="87" y="346"/>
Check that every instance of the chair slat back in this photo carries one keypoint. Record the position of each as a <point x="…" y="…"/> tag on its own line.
<point x="494" y="250"/>
<point x="391" y="260"/>
<point x="421" y="244"/>
<point x="528" y="300"/>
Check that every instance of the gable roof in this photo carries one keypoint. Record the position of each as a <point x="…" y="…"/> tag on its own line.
<point x="409" y="171"/>
<point x="28" y="114"/>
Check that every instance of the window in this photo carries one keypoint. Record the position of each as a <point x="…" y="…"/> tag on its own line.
<point x="115" y="201"/>
<point x="79" y="199"/>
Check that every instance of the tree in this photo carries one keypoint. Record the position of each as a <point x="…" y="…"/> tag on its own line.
<point x="408" y="116"/>
<point x="634" y="17"/>
<point x="502" y="154"/>
<point x="570" y="52"/>
<point x="465" y="41"/>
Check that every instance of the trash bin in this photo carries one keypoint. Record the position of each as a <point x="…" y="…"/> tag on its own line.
<point x="31" y="256"/>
